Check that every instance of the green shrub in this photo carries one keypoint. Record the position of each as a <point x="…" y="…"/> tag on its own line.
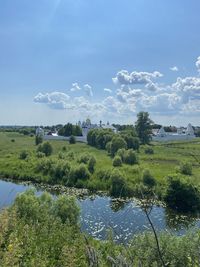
<point x="117" y="162"/>
<point x="23" y="154"/>
<point x="12" y="140"/>
<point x="91" y="164"/>
<point x="78" y="173"/>
<point x="66" y="208"/>
<point x="182" y="195"/>
<point x="108" y="147"/>
<point x="64" y="148"/>
<point x="84" y="158"/>
<point x="72" y="139"/>
<point x="46" y="148"/>
<point x="149" y="150"/>
<point x="186" y="168"/>
<point x="118" y="186"/>
<point x="40" y="154"/>
<point x="59" y="172"/>
<point x="132" y="142"/>
<point x="103" y="175"/>
<point x="121" y="153"/>
<point x="38" y="139"/>
<point x="148" y="179"/>
<point x="130" y="157"/>
<point x="70" y="155"/>
<point x="116" y="144"/>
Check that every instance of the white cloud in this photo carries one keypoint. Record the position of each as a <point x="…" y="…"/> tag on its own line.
<point x="75" y="87"/>
<point x="188" y="87"/>
<point x="57" y="100"/>
<point x="107" y="90"/>
<point x="88" y="90"/>
<point x="181" y="97"/>
<point x="174" y="68"/>
<point x="192" y="107"/>
<point x="152" y="86"/>
<point x="198" y="63"/>
<point x="125" y="78"/>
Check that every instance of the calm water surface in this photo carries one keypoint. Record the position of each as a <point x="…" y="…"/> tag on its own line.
<point x="99" y="214"/>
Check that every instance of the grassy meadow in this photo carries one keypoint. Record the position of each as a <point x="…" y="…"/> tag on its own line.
<point x="164" y="162"/>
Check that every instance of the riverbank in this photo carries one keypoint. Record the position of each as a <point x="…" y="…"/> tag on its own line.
<point x="68" y="166"/>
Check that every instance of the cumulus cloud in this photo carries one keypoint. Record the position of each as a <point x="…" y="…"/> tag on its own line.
<point x="180" y="97"/>
<point x="174" y="68"/>
<point x="198" y="64"/>
<point x="88" y="90"/>
<point x="125" y="78"/>
<point x="75" y="87"/>
<point x="107" y="90"/>
<point x="57" y="100"/>
<point x="188" y="87"/>
<point x="192" y="107"/>
<point x="152" y="86"/>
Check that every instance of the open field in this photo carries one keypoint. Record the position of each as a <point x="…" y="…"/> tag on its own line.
<point x="162" y="163"/>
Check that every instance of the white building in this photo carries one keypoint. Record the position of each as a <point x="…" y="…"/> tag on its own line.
<point x="39" y="131"/>
<point x="86" y="126"/>
<point x="163" y="136"/>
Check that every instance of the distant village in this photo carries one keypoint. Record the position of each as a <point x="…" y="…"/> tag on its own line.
<point x="160" y="134"/>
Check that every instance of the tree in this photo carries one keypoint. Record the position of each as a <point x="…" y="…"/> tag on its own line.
<point x="182" y="195"/>
<point x="72" y="139"/>
<point x="117" y="143"/>
<point x="45" y="148"/>
<point x="38" y="139"/>
<point x="143" y="127"/>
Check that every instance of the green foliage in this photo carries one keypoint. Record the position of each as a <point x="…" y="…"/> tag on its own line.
<point x="130" y="157"/>
<point x="84" y="158"/>
<point x="45" y="148"/>
<point x="186" y="168"/>
<point x="116" y="144"/>
<point x="118" y="185"/>
<point x="69" y="129"/>
<point x="66" y="209"/>
<point x="182" y="195"/>
<point x="72" y="139"/>
<point x="148" y="150"/>
<point x="59" y="172"/>
<point x="40" y="154"/>
<point x="91" y="164"/>
<point x="38" y="139"/>
<point x="132" y="142"/>
<point x="148" y="179"/>
<point x="117" y="162"/>
<point x="78" y="173"/>
<point x="104" y="175"/>
<point x="23" y="154"/>
<point x="99" y="137"/>
<point x="143" y="127"/>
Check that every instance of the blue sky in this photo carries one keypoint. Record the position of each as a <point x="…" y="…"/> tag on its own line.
<point x="65" y="60"/>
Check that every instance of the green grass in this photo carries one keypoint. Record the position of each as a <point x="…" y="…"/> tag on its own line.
<point x="162" y="163"/>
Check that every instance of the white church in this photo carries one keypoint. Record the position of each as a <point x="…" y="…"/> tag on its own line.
<point x="86" y="126"/>
<point x="163" y="136"/>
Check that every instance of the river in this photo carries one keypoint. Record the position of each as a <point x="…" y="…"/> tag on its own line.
<point x="99" y="214"/>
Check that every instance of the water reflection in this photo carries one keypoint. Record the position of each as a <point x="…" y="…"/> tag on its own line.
<point x="116" y="204"/>
<point x="99" y="214"/>
<point x="180" y="222"/>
